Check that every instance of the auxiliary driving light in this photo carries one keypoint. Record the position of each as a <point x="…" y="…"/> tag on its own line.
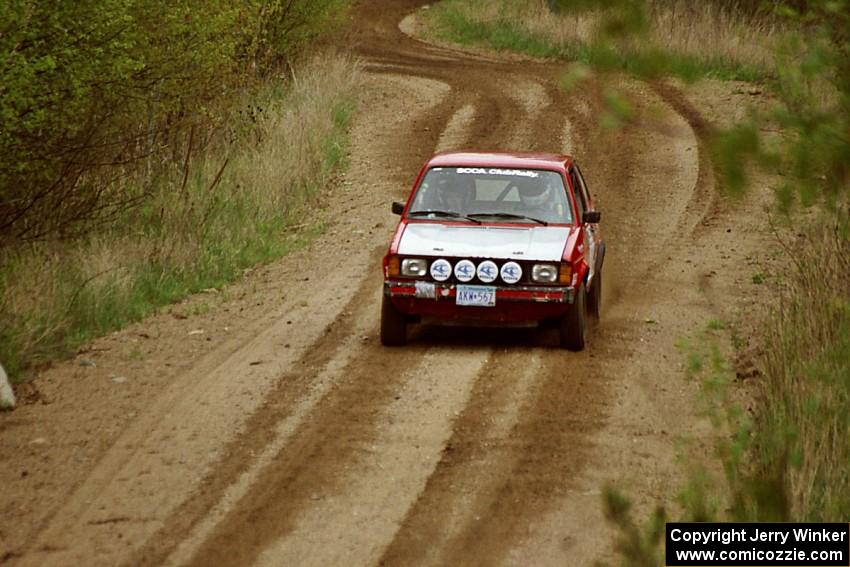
<point x="487" y="271"/>
<point x="511" y="272"/>
<point x="464" y="271"/>
<point x="441" y="270"/>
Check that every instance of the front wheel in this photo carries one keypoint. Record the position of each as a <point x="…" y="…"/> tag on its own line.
<point x="393" y="325"/>
<point x="574" y="324"/>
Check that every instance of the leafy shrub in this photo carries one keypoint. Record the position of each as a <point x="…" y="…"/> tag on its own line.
<point x="92" y="92"/>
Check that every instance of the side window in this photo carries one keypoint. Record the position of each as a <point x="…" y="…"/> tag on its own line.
<point x="583" y="185"/>
<point x="578" y="187"/>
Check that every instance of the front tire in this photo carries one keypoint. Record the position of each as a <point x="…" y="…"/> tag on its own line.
<point x="393" y="325"/>
<point x="574" y="324"/>
<point x="594" y="298"/>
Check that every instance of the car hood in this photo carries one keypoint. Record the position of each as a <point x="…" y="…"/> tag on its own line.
<point x="544" y="243"/>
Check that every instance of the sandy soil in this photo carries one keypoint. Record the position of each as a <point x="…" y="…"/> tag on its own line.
<point x="266" y="425"/>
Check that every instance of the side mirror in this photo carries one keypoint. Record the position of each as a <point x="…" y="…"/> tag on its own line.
<point x="398" y="208"/>
<point x="592" y="217"/>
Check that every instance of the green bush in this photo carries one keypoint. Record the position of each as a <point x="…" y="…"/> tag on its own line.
<point x="91" y="92"/>
<point x="235" y="209"/>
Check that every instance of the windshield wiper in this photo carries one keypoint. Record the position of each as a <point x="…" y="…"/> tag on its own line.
<point x="451" y="214"/>
<point x="510" y="216"/>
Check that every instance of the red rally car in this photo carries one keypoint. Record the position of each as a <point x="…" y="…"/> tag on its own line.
<point x="504" y="238"/>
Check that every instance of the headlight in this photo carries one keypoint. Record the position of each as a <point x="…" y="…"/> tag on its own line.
<point x="544" y="273"/>
<point x="414" y="267"/>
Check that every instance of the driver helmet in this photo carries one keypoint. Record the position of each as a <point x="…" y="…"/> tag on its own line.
<point x="454" y="191"/>
<point x="534" y="193"/>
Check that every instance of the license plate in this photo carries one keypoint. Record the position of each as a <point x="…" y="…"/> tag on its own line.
<point x="476" y="295"/>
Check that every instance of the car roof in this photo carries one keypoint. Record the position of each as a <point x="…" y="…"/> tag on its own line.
<point x="517" y="160"/>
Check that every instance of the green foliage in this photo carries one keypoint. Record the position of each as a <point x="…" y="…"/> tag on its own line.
<point x="810" y="79"/>
<point x="235" y="209"/>
<point x="618" y="110"/>
<point x="637" y="546"/>
<point x="734" y="149"/>
<point x="93" y="91"/>
<point x="813" y="111"/>
<point x="285" y="26"/>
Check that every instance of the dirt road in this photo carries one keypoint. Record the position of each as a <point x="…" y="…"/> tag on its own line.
<point x="266" y="425"/>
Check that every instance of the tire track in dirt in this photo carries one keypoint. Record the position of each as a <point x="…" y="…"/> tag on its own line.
<point x="571" y="521"/>
<point x="707" y="186"/>
<point x="294" y="390"/>
<point x="455" y="133"/>
<point x="480" y="441"/>
<point x="548" y="446"/>
<point x="533" y="99"/>
<point x="314" y="461"/>
<point x="556" y="433"/>
<point x="378" y="490"/>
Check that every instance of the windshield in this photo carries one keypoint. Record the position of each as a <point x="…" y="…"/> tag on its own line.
<point x="492" y="195"/>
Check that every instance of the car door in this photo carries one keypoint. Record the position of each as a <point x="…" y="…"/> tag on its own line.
<point x="590" y="230"/>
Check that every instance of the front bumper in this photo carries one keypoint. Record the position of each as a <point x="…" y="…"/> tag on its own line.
<point x="513" y="303"/>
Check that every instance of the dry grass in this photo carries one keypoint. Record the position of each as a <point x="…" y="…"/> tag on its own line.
<point x="184" y="237"/>
<point x="701" y="31"/>
<point x="804" y="428"/>
<point x="704" y="29"/>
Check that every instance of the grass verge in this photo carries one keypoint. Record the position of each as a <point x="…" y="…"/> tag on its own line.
<point x="804" y="426"/>
<point x="682" y="39"/>
<point x="197" y="227"/>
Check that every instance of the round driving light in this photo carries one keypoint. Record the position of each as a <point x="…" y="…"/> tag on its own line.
<point x="511" y="272"/>
<point x="441" y="270"/>
<point x="488" y="271"/>
<point x="464" y="271"/>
